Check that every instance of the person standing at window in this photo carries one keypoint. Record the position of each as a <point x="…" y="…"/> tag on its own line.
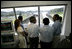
<point x="21" y="22"/>
<point x="46" y="34"/>
<point x="33" y="32"/>
<point x="57" y="29"/>
<point x="21" y="34"/>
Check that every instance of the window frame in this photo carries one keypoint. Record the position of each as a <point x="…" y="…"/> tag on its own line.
<point x="38" y="9"/>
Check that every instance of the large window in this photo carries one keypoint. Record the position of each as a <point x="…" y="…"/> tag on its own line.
<point x="40" y="13"/>
<point x="51" y="10"/>
<point x="27" y="12"/>
<point x="7" y="14"/>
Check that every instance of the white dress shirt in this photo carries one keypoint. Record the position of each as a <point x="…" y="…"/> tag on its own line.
<point x="33" y="30"/>
<point x="57" y="30"/>
<point x="57" y="27"/>
<point x="46" y="33"/>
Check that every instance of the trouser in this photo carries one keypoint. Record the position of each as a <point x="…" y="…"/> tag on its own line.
<point x="45" y="44"/>
<point x="34" y="42"/>
<point x="56" y="40"/>
<point x="26" y="40"/>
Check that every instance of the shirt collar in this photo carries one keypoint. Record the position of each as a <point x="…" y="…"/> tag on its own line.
<point x="57" y="21"/>
<point x="46" y="25"/>
<point x="31" y="23"/>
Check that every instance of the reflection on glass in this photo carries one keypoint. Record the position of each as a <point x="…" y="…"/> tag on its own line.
<point x="27" y="12"/>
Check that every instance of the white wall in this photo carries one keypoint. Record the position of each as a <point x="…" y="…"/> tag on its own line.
<point x="67" y="21"/>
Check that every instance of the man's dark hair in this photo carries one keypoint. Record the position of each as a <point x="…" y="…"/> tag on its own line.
<point x="32" y="18"/>
<point x="20" y="18"/>
<point x="46" y="21"/>
<point x="57" y="16"/>
<point x="60" y="18"/>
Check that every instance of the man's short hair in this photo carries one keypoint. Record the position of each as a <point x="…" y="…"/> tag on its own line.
<point x="32" y="18"/>
<point x="46" y="21"/>
<point x="57" y="16"/>
<point x="20" y="18"/>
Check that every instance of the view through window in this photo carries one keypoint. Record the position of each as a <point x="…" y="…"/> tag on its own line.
<point x="7" y="14"/>
<point x="27" y="12"/>
<point x="49" y="11"/>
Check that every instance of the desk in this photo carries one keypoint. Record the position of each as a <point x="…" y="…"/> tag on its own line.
<point x="12" y="44"/>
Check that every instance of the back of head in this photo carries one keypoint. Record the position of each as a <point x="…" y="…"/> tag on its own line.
<point x="46" y="21"/>
<point x="20" y="18"/>
<point x="32" y="19"/>
<point x="56" y="17"/>
<point x="16" y="23"/>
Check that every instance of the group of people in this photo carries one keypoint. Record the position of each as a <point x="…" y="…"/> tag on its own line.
<point x="48" y="34"/>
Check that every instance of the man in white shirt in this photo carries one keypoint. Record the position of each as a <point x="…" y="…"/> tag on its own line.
<point x="56" y="25"/>
<point x="33" y="33"/>
<point x="46" y="34"/>
<point x="57" y="29"/>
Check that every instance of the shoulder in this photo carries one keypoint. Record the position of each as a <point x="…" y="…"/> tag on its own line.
<point x="19" y="29"/>
<point x="56" y="24"/>
<point x="50" y="27"/>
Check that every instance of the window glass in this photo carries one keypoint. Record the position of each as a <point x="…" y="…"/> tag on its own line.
<point x="27" y="12"/>
<point x="45" y="11"/>
<point x="7" y="14"/>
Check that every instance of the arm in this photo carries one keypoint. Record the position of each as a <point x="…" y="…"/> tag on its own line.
<point x="25" y="31"/>
<point x="21" y="31"/>
<point x="49" y="16"/>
